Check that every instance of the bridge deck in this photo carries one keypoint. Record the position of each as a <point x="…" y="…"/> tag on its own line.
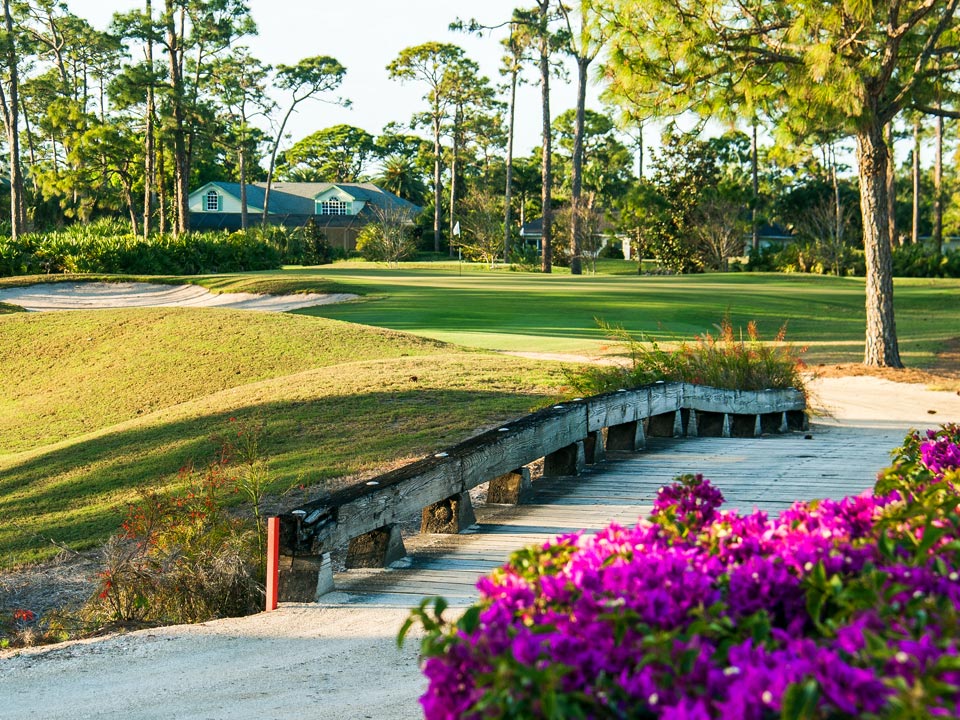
<point x="768" y="473"/>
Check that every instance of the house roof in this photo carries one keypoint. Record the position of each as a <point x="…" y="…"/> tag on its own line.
<point x="534" y="228"/>
<point x="297" y="198"/>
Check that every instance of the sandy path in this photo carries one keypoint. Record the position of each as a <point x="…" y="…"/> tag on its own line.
<point x="332" y="662"/>
<point x="301" y="661"/>
<point x="99" y="295"/>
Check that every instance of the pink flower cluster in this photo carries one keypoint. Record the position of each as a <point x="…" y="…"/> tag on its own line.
<point x="835" y="609"/>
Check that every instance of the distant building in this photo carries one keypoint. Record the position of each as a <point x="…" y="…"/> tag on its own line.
<point x="339" y="210"/>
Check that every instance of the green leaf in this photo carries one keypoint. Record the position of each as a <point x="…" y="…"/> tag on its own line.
<point x="800" y="701"/>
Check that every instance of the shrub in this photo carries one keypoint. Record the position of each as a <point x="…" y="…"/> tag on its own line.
<point x="923" y="261"/>
<point x="386" y="242"/>
<point x="722" y="361"/>
<point x="106" y="247"/>
<point x="836" y="609"/>
<point x="185" y="557"/>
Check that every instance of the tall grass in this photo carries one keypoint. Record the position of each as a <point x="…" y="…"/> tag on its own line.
<point x="726" y="360"/>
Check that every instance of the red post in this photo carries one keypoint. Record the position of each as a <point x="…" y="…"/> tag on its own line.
<point x="273" y="561"/>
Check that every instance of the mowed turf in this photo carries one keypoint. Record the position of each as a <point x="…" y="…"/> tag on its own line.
<point x="94" y="404"/>
<point x="517" y="311"/>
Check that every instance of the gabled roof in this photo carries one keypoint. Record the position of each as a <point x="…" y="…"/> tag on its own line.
<point x="297" y="198"/>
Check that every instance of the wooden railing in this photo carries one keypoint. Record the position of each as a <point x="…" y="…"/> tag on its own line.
<point x="566" y="436"/>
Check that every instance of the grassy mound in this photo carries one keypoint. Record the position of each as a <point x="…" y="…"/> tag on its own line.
<point x="96" y="404"/>
<point x="71" y="373"/>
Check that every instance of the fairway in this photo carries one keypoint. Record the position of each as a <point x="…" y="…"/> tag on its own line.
<point x="558" y="313"/>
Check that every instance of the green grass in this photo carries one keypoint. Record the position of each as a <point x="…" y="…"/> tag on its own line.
<point x="502" y="310"/>
<point x="95" y="404"/>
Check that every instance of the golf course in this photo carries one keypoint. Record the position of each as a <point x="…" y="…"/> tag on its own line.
<point x="95" y="404"/>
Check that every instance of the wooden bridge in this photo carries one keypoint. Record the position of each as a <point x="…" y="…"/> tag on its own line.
<point x="603" y="460"/>
<point x="767" y="473"/>
<point x="320" y="654"/>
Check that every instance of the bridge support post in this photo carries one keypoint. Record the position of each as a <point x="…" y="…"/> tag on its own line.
<point x="664" y="425"/>
<point x="569" y="460"/>
<point x="692" y="430"/>
<point x="797" y="420"/>
<point x="451" y="516"/>
<point x="304" y="578"/>
<point x="771" y="423"/>
<point x="593" y="449"/>
<point x="376" y="549"/>
<point x="512" y="488"/>
<point x="627" y="436"/>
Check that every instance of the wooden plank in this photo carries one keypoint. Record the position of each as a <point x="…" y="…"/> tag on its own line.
<point x="516" y="448"/>
<point x="742" y="402"/>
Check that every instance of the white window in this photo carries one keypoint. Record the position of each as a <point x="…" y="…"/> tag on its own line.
<point x="334" y="207"/>
<point x="213" y="201"/>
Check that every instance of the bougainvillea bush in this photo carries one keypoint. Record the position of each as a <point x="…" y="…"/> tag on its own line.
<point x="834" y="609"/>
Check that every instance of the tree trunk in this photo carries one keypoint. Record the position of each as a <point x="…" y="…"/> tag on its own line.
<point x="437" y="187"/>
<point x="273" y="164"/>
<point x="576" y="177"/>
<point x="891" y="186"/>
<point x="938" y="187"/>
<point x="148" y="150"/>
<point x="11" y="119"/>
<point x="242" y="161"/>
<point x="915" y="230"/>
<point x="131" y="206"/>
<point x="181" y="171"/>
<point x="508" y="191"/>
<point x="755" y="198"/>
<point x="546" y="166"/>
<point x="454" y="166"/>
<point x="881" y="348"/>
<point x="640" y="150"/>
<point x="162" y="185"/>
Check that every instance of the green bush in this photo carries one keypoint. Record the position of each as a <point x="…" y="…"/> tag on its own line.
<point x="723" y="361"/>
<point x="109" y="247"/>
<point x="809" y="257"/>
<point x="922" y="261"/>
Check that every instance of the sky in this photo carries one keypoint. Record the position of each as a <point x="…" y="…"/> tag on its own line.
<point x="365" y="35"/>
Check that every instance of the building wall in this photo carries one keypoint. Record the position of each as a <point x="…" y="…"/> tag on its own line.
<point x="344" y="238"/>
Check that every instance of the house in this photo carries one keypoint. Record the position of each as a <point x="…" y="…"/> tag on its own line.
<point x="531" y="235"/>
<point x="339" y="210"/>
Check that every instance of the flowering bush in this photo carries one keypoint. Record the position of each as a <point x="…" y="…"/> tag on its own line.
<point x="835" y="609"/>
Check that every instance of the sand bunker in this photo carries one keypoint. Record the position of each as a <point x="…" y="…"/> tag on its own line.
<point x="100" y="295"/>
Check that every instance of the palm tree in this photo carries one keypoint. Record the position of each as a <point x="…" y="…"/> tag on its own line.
<point x="401" y="177"/>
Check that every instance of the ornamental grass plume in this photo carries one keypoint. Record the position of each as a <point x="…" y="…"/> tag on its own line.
<point x="729" y="360"/>
<point x="835" y="609"/>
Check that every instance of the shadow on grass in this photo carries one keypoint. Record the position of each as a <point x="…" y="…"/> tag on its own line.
<point x="77" y="494"/>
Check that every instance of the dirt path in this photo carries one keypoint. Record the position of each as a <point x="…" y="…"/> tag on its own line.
<point x="298" y="662"/>
<point x="333" y="662"/>
<point x="99" y="295"/>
